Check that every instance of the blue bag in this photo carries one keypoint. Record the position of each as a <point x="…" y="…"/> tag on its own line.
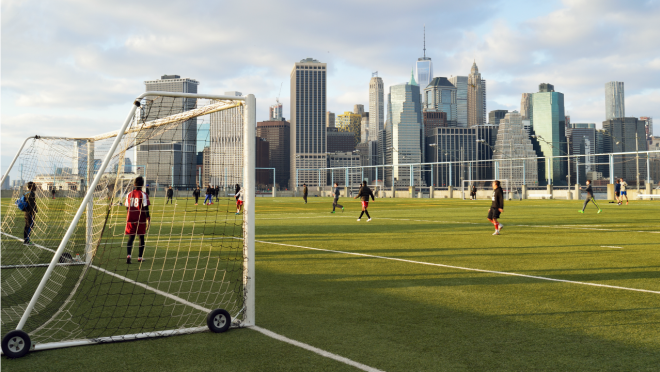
<point x="22" y="203"/>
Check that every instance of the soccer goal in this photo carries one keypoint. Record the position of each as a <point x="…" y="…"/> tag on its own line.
<point x="72" y="283"/>
<point x="484" y="189"/>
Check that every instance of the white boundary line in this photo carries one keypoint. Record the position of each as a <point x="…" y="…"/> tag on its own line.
<point x="464" y="268"/>
<point x="264" y="331"/>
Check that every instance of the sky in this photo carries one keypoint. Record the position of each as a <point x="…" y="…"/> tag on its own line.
<point x="73" y="67"/>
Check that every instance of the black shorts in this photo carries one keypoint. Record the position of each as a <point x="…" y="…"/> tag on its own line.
<point x="616" y="193"/>
<point x="493" y="214"/>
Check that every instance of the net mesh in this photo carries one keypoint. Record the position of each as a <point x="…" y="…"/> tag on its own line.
<point x="193" y="256"/>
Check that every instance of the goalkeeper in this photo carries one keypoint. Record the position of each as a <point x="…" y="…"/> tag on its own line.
<point x="137" y="218"/>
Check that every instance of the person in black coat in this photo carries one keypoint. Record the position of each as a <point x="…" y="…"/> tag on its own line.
<point x="196" y="194"/>
<point x="170" y="194"/>
<point x="364" y="194"/>
<point x="305" y="193"/>
<point x="30" y="212"/>
<point x="496" y="207"/>
<point x="209" y="195"/>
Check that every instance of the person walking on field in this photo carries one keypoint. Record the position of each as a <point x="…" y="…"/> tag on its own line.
<point x="305" y="193"/>
<point x="238" y="194"/>
<point x="590" y="197"/>
<point x="364" y="194"/>
<point x="617" y="191"/>
<point x="216" y="192"/>
<point x="30" y="212"/>
<point x="496" y="207"/>
<point x="170" y="194"/>
<point x="137" y="219"/>
<point x="208" y="200"/>
<point x="196" y="194"/>
<point x="336" y="193"/>
<point x="624" y="191"/>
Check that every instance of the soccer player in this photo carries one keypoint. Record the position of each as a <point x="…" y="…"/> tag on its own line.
<point x="624" y="191"/>
<point x="617" y="191"/>
<point x="305" y="193"/>
<point x="496" y="207"/>
<point x="170" y="193"/>
<point x="473" y="192"/>
<point x="590" y="197"/>
<point x="137" y="220"/>
<point x="196" y="194"/>
<point x="53" y="192"/>
<point x="216" y="192"/>
<point x="209" y="195"/>
<point x="238" y="194"/>
<point x="30" y="212"/>
<point x="336" y="193"/>
<point x="364" y="194"/>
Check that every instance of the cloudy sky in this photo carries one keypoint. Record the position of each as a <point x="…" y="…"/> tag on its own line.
<point x="73" y="66"/>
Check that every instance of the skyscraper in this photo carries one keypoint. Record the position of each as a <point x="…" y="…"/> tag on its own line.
<point x="548" y="125"/>
<point x="627" y="135"/>
<point x="614" y="100"/>
<point x="169" y="157"/>
<point x="330" y="119"/>
<point x="648" y="124"/>
<point x="364" y="128"/>
<point x="227" y="146"/>
<point x="308" y="121"/>
<point x="350" y="122"/>
<point x="275" y="112"/>
<point x="278" y="135"/>
<point x="495" y="116"/>
<point x="440" y="95"/>
<point x="513" y="142"/>
<point x="404" y="131"/>
<point x="376" y="107"/>
<point x="424" y="67"/>
<point x="358" y="109"/>
<point x="582" y="141"/>
<point x="476" y="97"/>
<point x="461" y="84"/>
<point x="526" y="106"/>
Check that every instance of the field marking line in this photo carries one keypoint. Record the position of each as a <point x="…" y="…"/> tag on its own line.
<point x="315" y="350"/>
<point x="610" y="246"/>
<point x="464" y="268"/>
<point x="264" y="331"/>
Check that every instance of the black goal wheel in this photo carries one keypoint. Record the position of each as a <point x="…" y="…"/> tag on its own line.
<point x="218" y="320"/>
<point x="16" y="344"/>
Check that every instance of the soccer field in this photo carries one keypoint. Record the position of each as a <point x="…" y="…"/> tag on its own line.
<point x="425" y="286"/>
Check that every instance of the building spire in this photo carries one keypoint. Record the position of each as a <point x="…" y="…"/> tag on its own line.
<point x="424" y="41"/>
<point x="412" y="77"/>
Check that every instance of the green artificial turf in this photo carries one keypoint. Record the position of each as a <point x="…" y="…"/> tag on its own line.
<point x="407" y="316"/>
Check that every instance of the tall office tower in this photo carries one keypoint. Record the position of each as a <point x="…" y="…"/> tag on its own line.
<point x="603" y="146"/>
<point x="433" y="119"/>
<point x="344" y="159"/>
<point x="424" y="67"/>
<point x="495" y="116"/>
<point x="358" y="109"/>
<point x="308" y="121"/>
<point x="275" y="112"/>
<point x="206" y="166"/>
<point x="476" y="97"/>
<point x="582" y="141"/>
<point x="339" y="141"/>
<point x="227" y="146"/>
<point x="486" y="137"/>
<point x="330" y="119"/>
<point x="350" y="122"/>
<point x="513" y="142"/>
<point x="451" y="145"/>
<point x="567" y="121"/>
<point x="615" y="106"/>
<point x="79" y="165"/>
<point x="648" y="125"/>
<point x="278" y="135"/>
<point x="364" y="128"/>
<point x="376" y="106"/>
<point x="550" y="130"/>
<point x="368" y="153"/>
<point x="262" y="176"/>
<point x="169" y="157"/>
<point x="440" y="95"/>
<point x="404" y="131"/>
<point x="461" y="84"/>
<point x="526" y="106"/>
<point x="627" y="135"/>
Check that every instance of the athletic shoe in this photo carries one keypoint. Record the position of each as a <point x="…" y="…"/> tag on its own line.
<point x="358" y="220"/>
<point x="128" y="259"/>
<point x="369" y="220"/>
<point x="140" y="259"/>
<point x="236" y="212"/>
<point x="332" y="212"/>
<point x="580" y="210"/>
<point x="342" y="209"/>
<point x="600" y="210"/>
<point x="195" y="203"/>
<point x="626" y="203"/>
<point x="499" y="227"/>
<point x="496" y="232"/>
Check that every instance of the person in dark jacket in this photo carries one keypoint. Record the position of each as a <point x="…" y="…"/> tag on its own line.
<point x="305" y="193"/>
<point x="473" y="192"/>
<point x="170" y="194"/>
<point x="216" y="193"/>
<point x="590" y="197"/>
<point x="146" y="191"/>
<point x="364" y="194"/>
<point x="496" y="207"/>
<point x="336" y="192"/>
<point x="30" y="212"/>
<point x="53" y="192"/>
<point x="209" y="195"/>
<point x="196" y="193"/>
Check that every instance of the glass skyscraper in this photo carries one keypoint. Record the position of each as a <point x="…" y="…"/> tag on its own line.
<point x="548" y="125"/>
<point x="461" y="84"/>
<point x="614" y="100"/>
<point x="404" y="131"/>
<point x="440" y="95"/>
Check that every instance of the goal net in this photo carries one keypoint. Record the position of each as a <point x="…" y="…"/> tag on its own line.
<point x="72" y="283"/>
<point x="483" y="189"/>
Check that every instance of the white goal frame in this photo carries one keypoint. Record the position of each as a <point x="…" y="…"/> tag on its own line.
<point x="249" y="155"/>
<point x="504" y="182"/>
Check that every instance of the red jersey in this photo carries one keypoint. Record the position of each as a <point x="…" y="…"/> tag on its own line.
<point x="137" y="205"/>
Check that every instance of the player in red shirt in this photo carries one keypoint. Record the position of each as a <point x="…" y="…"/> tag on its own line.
<point x="137" y="217"/>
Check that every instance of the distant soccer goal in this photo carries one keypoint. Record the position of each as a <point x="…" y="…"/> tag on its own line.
<point x="67" y="278"/>
<point x="484" y="189"/>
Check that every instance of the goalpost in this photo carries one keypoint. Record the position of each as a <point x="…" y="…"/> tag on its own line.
<point x="71" y="284"/>
<point x="481" y="185"/>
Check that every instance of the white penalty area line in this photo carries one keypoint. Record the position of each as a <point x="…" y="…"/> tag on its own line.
<point x="610" y="246"/>
<point x="464" y="268"/>
<point x="264" y="331"/>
